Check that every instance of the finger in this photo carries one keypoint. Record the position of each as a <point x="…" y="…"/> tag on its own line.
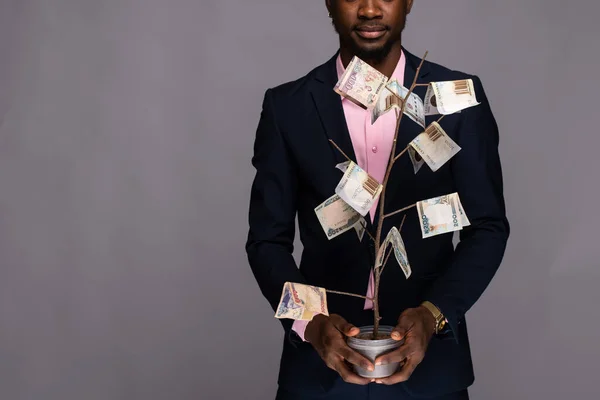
<point x="396" y="356"/>
<point x="398" y="333"/>
<point x="351" y="331"/>
<point x="405" y="324"/>
<point x="401" y="376"/>
<point x="354" y="357"/>
<point x="344" y="326"/>
<point x="350" y="376"/>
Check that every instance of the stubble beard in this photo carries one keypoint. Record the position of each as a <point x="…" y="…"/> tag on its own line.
<point x="374" y="55"/>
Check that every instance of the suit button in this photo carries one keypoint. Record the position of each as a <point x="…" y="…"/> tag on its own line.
<point x="374" y="149"/>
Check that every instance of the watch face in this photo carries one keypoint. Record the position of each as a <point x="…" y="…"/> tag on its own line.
<point x="441" y="325"/>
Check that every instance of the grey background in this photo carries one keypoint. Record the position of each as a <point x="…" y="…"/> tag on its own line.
<point x="126" y="131"/>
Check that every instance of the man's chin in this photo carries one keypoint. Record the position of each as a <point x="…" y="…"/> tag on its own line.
<point x="372" y="53"/>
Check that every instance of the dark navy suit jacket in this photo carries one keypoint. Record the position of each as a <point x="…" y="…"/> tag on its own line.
<point x="295" y="172"/>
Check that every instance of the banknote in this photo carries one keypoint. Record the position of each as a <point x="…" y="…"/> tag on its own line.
<point x="358" y="188"/>
<point x="464" y="221"/>
<point x="301" y="302"/>
<point x="448" y="97"/>
<point x="435" y="146"/>
<point x="343" y="166"/>
<point x="414" y="107"/>
<point x="360" y="226"/>
<point x="430" y="102"/>
<point x="336" y="216"/>
<point x="361" y="83"/>
<point x="395" y="239"/>
<point x="440" y="215"/>
<point x="387" y="101"/>
<point x="416" y="159"/>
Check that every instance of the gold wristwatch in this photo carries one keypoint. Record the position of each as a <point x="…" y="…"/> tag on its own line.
<point x="440" y="320"/>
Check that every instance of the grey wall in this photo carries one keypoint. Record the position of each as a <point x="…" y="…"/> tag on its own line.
<point x="126" y="131"/>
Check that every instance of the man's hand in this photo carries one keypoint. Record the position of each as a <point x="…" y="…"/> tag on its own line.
<point x="327" y="335"/>
<point x="416" y="326"/>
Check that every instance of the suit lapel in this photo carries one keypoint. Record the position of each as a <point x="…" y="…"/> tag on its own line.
<point x="330" y="110"/>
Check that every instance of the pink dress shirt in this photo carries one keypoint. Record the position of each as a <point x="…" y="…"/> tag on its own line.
<point x="372" y="145"/>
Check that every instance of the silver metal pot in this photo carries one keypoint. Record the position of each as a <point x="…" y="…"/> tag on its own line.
<point x="371" y="349"/>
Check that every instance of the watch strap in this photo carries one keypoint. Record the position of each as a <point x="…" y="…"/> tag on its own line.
<point x="440" y="320"/>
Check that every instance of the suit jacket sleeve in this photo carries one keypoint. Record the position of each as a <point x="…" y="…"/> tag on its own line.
<point x="272" y="211"/>
<point x="477" y="175"/>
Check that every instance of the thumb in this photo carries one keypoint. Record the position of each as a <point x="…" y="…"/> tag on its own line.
<point x="400" y="330"/>
<point x="351" y="330"/>
<point x="398" y="333"/>
<point x="345" y="327"/>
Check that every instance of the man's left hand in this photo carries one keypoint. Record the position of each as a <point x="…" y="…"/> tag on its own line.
<point x="416" y="326"/>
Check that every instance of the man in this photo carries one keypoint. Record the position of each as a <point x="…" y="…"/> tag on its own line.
<point x="295" y="172"/>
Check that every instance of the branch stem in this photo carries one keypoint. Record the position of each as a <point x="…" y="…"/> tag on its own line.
<point x="349" y="294"/>
<point x="366" y="230"/>
<point x="380" y="271"/>
<point x="340" y="150"/>
<point x="399" y="211"/>
<point x="402" y="223"/>
<point x="400" y="154"/>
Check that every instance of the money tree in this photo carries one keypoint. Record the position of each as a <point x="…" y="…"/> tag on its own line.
<point x="357" y="191"/>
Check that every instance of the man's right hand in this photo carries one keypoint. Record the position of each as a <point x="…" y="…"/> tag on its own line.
<point x="328" y="335"/>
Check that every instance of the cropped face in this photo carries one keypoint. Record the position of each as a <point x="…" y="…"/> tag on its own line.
<point x="369" y="28"/>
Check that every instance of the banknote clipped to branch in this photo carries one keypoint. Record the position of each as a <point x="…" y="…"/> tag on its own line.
<point x="357" y="188"/>
<point x="434" y="146"/>
<point x="360" y="228"/>
<point x="337" y="217"/>
<point x="441" y="215"/>
<point x="449" y="97"/>
<point x="361" y="83"/>
<point x="416" y="159"/>
<point x="396" y="93"/>
<point x="395" y="239"/>
<point x="301" y="302"/>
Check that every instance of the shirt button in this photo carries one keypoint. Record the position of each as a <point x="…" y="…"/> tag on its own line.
<point x="374" y="149"/>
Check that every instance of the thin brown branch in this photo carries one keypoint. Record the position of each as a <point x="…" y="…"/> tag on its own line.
<point x="382" y="267"/>
<point x="440" y="118"/>
<point x="386" y="260"/>
<point x="349" y="294"/>
<point x="400" y="154"/>
<point x="367" y="231"/>
<point x="340" y="150"/>
<point x="422" y="84"/>
<point x="424" y="57"/>
<point x="399" y="211"/>
<point x="402" y="223"/>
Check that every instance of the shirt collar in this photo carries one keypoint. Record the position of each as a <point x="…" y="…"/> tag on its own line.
<point x="398" y="73"/>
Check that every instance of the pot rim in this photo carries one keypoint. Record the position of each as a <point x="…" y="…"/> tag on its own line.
<point x="373" y="342"/>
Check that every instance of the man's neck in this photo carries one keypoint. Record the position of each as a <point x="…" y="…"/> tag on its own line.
<point x="386" y="66"/>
